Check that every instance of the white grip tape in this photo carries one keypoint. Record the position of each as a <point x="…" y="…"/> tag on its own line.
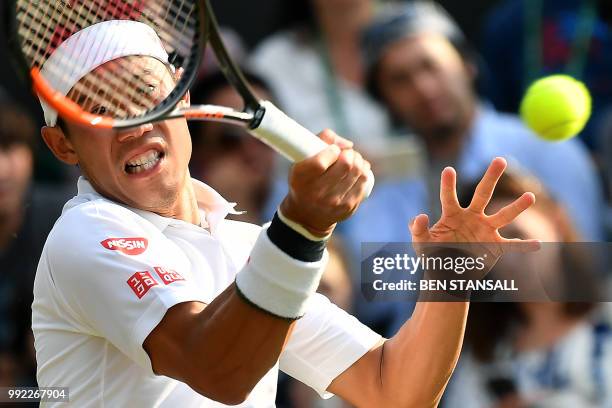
<point x="291" y="139"/>
<point x="276" y="282"/>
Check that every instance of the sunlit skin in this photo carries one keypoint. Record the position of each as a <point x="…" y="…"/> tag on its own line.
<point x="102" y="155"/>
<point x="427" y="84"/>
<point x="191" y="342"/>
<point x="430" y="341"/>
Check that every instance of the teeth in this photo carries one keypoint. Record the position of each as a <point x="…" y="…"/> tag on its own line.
<point x="143" y="162"/>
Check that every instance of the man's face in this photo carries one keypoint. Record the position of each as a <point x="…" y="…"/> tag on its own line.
<point x="426" y="83"/>
<point x="143" y="167"/>
<point x="15" y="175"/>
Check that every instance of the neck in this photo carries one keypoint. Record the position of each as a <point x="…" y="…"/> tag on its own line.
<point x="341" y="30"/>
<point x="453" y="140"/>
<point x="186" y="206"/>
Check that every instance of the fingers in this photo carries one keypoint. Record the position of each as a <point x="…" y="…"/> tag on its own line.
<point x="509" y="213"/>
<point x="330" y="137"/>
<point x="358" y="190"/>
<point x="348" y="170"/>
<point x="520" y="245"/>
<point x="419" y="228"/>
<point x="448" y="192"/>
<point x="484" y="190"/>
<point x="321" y="162"/>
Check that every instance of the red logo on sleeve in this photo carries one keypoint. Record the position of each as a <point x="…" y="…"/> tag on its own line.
<point x="141" y="282"/>
<point x="129" y="246"/>
<point x="168" y="275"/>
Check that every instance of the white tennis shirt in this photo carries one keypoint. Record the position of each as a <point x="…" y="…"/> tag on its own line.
<point x="109" y="273"/>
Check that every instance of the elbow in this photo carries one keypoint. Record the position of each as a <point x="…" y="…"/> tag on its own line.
<point x="228" y="392"/>
<point x="416" y="402"/>
<point x="224" y="396"/>
<point x="227" y="398"/>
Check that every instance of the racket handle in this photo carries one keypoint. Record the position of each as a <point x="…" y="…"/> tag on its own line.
<point x="291" y="139"/>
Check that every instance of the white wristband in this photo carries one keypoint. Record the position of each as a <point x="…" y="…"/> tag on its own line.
<point x="276" y="282"/>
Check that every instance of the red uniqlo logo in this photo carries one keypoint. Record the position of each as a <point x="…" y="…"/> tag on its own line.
<point x="141" y="282"/>
<point x="168" y="275"/>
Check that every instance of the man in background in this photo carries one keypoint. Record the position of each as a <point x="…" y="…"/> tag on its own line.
<point x="420" y="66"/>
<point x="27" y="214"/>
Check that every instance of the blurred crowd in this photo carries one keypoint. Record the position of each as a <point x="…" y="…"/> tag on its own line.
<point x="415" y="94"/>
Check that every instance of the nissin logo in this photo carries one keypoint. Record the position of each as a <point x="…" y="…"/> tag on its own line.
<point x="129" y="246"/>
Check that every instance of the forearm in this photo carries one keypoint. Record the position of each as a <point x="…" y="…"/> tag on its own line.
<point x="223" y="349"/>
<point x="418" y="361"/>
<point x="235" y="344"/>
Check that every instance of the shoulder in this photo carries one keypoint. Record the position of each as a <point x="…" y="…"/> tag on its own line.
<point x="278" y="44"/>
<point x="510" y="129"/>
<point x="238" y="231"/>
<point x="87" y="231"/>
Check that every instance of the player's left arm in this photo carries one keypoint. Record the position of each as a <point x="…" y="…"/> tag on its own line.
<point x="412" y="369"/>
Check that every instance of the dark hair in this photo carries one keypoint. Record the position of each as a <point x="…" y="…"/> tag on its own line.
<point x="402" y="20"/>
<point x="61" y="123"/>
<point x="490" y="323"/>
<point x="16" y="127"/>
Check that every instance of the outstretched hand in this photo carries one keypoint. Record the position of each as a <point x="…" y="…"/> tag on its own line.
<point x="471" y="225"/>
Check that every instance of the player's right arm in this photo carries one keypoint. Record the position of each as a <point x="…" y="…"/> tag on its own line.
<point x="224" y="348"/>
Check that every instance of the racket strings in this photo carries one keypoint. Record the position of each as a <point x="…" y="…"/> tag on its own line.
<point x="45" y="24"/>
<point x="102" y="92"/>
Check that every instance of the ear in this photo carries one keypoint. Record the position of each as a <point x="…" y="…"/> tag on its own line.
<point x="59" y="144"/>
<point x="185" y="102"/>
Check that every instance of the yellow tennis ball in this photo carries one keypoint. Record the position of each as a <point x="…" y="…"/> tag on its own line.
<point x="557" y="107"/>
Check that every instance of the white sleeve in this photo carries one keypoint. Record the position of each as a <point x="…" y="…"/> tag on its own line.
<point x="324" y="343"/>
<point x="116" y="275"/>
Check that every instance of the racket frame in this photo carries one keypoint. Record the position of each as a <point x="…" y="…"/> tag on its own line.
<point x="71" y="110"/>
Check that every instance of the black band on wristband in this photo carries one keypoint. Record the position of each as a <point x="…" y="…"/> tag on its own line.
<point x="293" y="243"/>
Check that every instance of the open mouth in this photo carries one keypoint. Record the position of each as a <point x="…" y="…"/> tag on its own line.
<point x="143" y="162"/>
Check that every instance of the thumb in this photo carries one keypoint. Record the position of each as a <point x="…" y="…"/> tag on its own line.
<point x="419" y="228"/>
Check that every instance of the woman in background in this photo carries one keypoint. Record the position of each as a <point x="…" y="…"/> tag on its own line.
<point x="537" y="354"/>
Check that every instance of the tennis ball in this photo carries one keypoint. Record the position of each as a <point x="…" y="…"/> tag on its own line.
<point x="557" y="107"/>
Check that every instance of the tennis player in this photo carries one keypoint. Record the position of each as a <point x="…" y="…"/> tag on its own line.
<point x="146" y="296"/>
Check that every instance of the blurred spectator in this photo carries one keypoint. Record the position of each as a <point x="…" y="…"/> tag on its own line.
<point x="315" y="70"/>
<point x="226" y="157"/>
<point x="27" y="214"/>
<point x="543" y="354"/>
<point x="422" y="68"/>
<point x="527" y="39"/>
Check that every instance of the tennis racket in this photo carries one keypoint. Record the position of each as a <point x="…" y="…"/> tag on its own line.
<point x="38" y="28"/>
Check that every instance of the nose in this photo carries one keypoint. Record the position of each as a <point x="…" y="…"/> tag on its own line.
<point x="134" y="132"/>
